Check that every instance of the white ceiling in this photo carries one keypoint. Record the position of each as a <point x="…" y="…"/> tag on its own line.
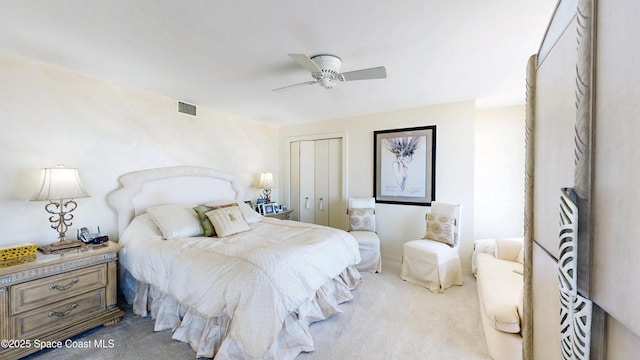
<point x="228" y="54"/>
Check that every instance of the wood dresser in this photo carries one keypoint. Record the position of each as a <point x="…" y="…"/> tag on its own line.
<point x="56" y="296"/>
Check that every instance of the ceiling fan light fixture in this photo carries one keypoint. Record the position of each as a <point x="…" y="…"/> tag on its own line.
<point x="328" y="63"/>
<point x="327" y="83"/>
<point x="325" y="69"/>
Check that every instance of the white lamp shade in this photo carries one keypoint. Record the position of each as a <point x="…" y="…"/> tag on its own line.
<point x="266" y="181"/>
<point x="58" y="184"/>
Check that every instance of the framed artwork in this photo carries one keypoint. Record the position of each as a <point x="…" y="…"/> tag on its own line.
<point x="404" y="166"/>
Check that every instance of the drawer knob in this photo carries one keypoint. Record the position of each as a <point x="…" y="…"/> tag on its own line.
<point x="64" y="313"/>
<point x="65" y="287"/>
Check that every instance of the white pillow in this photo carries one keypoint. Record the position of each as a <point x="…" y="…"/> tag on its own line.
<point x="228" y="221"/>
<point x="176" y="220"/>
<point x="250" y="216"/>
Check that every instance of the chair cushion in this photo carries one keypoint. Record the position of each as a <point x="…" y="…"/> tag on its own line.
<point x="429" y="251"/>
<point x="440" y="228"/>
<point x="362" y="219"/>
<point x="366" y="238"/>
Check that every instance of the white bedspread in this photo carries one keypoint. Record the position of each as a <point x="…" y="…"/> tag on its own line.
<point x="256" y="277"/>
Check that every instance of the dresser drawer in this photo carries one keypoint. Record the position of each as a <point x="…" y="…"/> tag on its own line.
<point x="37" y="293"/>
<point x="56" y="316"/>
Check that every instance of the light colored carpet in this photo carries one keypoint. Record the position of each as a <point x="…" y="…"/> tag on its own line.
<point x="387" y="319"/>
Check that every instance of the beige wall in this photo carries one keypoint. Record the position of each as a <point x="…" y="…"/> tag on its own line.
<point x="499" y="172"/>
<point x="50" y="116"/>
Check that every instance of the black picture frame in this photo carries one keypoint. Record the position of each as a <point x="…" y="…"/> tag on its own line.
<point x="404" y="166"/>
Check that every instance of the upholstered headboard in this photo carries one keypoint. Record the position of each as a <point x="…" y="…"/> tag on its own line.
<point x="171" y="185"/>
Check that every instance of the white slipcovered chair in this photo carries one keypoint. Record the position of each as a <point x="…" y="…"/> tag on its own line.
<point x="434" y="262"/>
<point x="362" y="226"/>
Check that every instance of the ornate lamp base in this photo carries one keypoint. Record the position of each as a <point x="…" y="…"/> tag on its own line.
<point x="60" y="221"/>
<point x="267" y="195"/>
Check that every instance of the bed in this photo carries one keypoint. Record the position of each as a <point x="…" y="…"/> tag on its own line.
<point x="250" y="294"/>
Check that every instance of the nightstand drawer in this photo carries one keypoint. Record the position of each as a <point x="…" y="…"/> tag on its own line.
<point x="37" y="293"/>
<point x="59" y="315"/>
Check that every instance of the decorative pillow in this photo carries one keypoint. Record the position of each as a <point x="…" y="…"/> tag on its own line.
<point x="176" y="220"/>
<point x="202" y="211"/>
<point x="250" y="216"/>
<point x="228" y="221"/>
<point x="362" y="219"/>
<point x="440" y="228"/>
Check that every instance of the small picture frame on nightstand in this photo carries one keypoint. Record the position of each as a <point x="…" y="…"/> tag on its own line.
<point x="268" y="209"/>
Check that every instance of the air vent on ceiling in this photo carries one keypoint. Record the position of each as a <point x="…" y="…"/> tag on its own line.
<point x="186" y="108"/>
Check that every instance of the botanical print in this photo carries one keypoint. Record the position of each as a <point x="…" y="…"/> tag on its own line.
<point x="404" y="165"/>
<point x="399" y="177"/>
<point x="403" y="148"/>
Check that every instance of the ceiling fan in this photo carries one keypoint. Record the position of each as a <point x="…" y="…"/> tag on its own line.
<point x="325" y="69"/>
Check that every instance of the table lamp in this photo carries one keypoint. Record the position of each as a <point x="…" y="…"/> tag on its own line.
<point x="60" y="186"/>
<point x="266" y="183"/>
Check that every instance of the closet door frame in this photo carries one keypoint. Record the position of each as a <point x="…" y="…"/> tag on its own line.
<point x="345" y="157"/>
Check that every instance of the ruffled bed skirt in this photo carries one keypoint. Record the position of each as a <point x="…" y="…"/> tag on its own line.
<point x="207" y="335"/>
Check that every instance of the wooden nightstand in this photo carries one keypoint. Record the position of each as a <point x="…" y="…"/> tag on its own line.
<point x="282" y="215"/>
<point x="57" y="296"/>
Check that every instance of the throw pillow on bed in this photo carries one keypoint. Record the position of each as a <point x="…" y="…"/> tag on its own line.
<point x="176" y="220"/>
<point x="250" y="216"/>
<point x="228" y="221"/>
<point x="440" y="228"/>
<point x="206" y="224"/>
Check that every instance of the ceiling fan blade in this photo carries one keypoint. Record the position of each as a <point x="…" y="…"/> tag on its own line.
<point x="296" y="85"/>
<point x="365" y="74"/>
<point x="305" y="62"/>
